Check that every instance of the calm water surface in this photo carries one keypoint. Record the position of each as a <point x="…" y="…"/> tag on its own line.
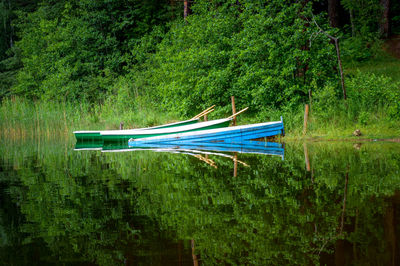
<point x="324" y="203"/>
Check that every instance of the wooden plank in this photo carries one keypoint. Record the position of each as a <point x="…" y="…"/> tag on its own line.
<point x="235" y="165"/>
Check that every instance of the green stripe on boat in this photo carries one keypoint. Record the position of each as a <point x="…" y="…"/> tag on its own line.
<point x="118" y="136"/>
<point x="94" y="135"/>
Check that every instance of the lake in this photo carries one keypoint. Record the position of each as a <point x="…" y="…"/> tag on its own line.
<point x="330" y="203"/>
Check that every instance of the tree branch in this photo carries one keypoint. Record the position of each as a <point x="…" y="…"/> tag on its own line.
<point x="336" y="41"/>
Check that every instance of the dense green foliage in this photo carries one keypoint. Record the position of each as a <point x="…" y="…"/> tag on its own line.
<point x="370" y="98"/>
<point x="258" y="52"/>
<point x="75" y="49"/>
<point x="130" y="56"/>
<point x="10" y="61"/>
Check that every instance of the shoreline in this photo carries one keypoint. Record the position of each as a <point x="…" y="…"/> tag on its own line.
<point x="355" y="139"/>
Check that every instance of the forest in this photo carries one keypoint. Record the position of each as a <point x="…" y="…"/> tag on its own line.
<point x="149" y="61"/>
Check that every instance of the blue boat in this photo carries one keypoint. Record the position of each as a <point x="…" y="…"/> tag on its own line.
<point x="236" y="134"/>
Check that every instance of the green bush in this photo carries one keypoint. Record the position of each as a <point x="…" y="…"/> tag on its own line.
<point x="370" y="93"/>
<point x="357" y="49"/>
<point x="74" y="50"/>
<point x="258" y="52"/>
<point x="326" y="101"/>
<point x="363" y="118"/>
<point x="369" y="96"/>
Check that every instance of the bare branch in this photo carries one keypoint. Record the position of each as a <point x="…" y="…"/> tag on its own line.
<point x="336" y="41"/>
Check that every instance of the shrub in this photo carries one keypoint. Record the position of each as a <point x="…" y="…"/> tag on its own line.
<point x="326" y="101"/>
<point x="370" y="93"/>
<point x="357" y="49"/>
<point x="258" y="52"/>
<point x="368" y="96"/>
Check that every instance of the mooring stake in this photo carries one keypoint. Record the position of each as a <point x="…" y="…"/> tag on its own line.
<point x="305" y="119"/>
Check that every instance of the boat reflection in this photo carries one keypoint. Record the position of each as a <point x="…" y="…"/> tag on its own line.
<point x="207" y="148"/>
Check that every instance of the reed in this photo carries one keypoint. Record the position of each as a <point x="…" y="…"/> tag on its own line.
<point x="20" y="118"/>
<point x="24" y="119"/>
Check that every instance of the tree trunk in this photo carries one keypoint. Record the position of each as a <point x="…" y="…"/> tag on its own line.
<point x="353" y="30"/>
<point x="336" y="42"/>
<point x="11" y="26"/>
<point x="172" y="5"/>
<point x="385" y="19"/>
<point x="186" y="8"/>
<point x="340" y="67"/>
<point x="333" y="8"/>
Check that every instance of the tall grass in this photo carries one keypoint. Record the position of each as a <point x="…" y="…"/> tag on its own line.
<point x="21" y="118"/>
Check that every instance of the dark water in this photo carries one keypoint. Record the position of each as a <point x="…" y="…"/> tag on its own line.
<point x="60" y="206"/>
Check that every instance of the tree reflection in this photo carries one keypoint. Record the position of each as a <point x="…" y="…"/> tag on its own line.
<point x="114" y="208"/>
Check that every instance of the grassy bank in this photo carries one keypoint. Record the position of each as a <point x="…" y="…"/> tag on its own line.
<point x="22" y="119"/>
<point x="373" y="106"/>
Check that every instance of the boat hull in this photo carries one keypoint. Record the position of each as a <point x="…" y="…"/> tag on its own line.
<point x="88" y="136"/>
<point x="223" y="135"/>
<point x="123" y="137"/>
<point x="95" y="136"/>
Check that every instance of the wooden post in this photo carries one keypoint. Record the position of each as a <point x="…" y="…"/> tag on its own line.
<point x="306" y="157"/>
<point x="305" y="120"/>
<point x="310" y="99"/>
<point x="187" y="8"/>
<point x="233" y="109"/>
<point x="355" y="254"/>
<point x="235" y="165"/>
<point x="194" y="256"/>
<point x="344" y="202"/>
<point x="205" y="117"/>
<point x="121" y="125"/>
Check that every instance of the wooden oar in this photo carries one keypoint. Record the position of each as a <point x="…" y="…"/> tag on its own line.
<point x="202" y="113"/>
<point x="241" y="111"/>
<point x="206" y="113"/>
<point x="208" y="161"/>
<point x="239" y="161"/>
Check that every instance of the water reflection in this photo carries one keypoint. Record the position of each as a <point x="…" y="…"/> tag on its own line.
<point x="255" y="147"/>
<point x="324" y="204"/>
<point x="199" y="150"/>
